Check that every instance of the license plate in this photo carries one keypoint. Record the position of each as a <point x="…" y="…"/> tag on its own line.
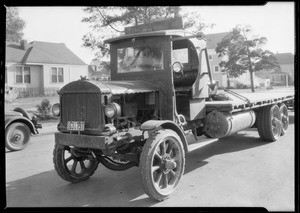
<point x="75" y="125"/>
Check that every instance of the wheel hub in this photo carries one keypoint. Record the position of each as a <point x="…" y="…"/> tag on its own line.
<point x="168" y="164"/>
<point x="17" y="137"/>
<point x="75" y="154"/>
<point x="284" y="119"/>
<point x="275" y="121"/>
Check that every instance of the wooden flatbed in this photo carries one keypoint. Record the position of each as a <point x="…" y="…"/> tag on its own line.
<point x="240" y="101"/>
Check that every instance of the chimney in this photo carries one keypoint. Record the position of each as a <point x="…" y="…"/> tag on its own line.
<point x="24" y="45"/>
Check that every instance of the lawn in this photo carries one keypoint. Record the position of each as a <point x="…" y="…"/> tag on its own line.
<point x="30" y="103"/>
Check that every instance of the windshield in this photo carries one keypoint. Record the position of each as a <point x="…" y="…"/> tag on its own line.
<point x="140" y="58"/>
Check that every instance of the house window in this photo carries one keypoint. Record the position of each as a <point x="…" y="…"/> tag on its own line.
<point x="57" y="74"/>
<point x="210" y="57"/>
<point x="19" y="75"/>
<point x="27" y="75"/>
<point x="23" y="75"/>
<point x="217" y="68"/>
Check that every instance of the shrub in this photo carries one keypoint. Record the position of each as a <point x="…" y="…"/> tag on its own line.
<point x="44" y="109"/>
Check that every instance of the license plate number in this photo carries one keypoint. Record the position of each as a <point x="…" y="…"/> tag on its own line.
<point x="75" y="125"/>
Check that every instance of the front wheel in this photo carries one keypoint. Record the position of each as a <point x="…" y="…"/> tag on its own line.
<point x="73" y="164"/>
<point x="162" y="164"/>
<point x="17" y="136"/>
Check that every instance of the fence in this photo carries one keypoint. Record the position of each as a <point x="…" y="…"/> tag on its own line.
<point x="11" y="92"/>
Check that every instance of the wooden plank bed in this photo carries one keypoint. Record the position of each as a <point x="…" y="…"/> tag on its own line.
<point x="245" y="101"/>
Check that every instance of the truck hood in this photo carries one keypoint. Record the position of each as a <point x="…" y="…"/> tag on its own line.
<point x="109" y="87"/>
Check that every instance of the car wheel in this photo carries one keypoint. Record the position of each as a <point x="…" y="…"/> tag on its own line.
<point x="17" y="136"/>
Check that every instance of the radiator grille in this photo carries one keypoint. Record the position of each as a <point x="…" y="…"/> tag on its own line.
<point x="82" y="107"/>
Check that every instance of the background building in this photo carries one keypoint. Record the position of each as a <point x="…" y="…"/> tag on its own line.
<point x="212" y="41"/>
<point x="40" y="68"/>
<point x="282" y="76"/>
<point x="99" y="70"/>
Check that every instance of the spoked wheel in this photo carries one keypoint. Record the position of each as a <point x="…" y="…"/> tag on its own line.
<point x="284" y="118"/>
<point x="162" y="164"/>
<point x="17" y="136"/>
<point x="72" y="164"/>
<point x="269" y="123"/>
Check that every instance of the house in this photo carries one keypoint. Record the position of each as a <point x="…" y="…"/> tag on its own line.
<point x="212" y="41"/>
<point x="40" y="68"/>
<point x="285" y="74"/>
<point x="99" y="70"/>
<point x="220" y="77"/>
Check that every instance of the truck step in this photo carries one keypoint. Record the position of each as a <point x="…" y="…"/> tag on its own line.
<point x="200" y="142"/>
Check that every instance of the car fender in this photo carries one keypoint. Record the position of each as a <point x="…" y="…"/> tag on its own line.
<point x="24" y="120"/>
<point x="153" y="125"/>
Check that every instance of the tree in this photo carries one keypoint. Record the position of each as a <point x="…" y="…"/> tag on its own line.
<point x="107" y="22"/>
<point x="14" y="25"/>
<point x="242" y="52"/>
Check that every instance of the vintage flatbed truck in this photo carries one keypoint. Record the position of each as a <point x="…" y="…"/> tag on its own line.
<point x="161" y="90"/>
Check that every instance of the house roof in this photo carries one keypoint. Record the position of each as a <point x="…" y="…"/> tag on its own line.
<point x="212" y="40"/>
<point x="285" y="58"/>
<point x="42" y="52"/>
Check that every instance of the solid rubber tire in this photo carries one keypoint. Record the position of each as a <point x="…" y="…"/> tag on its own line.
<point x="61" y="170"/>
<point x="145" y="165"/>
<point x="264" y="123"/>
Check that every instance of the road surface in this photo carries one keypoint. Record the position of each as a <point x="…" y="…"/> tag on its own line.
<point x="236" y="171"/>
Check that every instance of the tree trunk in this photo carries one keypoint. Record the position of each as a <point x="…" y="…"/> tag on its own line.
<point x="252" y="81"/>
<point x="228" y="81"/>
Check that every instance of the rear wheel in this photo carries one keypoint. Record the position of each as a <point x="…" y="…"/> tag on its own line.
<point x="17" y="136"/>
<point x="162" y="164"/>
<point x="284" y="118"/>
<point x="269" y="123"/>
<point x="72" y="164"/>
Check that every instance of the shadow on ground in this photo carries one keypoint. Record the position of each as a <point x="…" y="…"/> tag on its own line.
<point x="229" y="144"/>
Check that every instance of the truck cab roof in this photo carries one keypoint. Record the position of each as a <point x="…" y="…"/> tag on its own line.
<point x="176" y="33"/>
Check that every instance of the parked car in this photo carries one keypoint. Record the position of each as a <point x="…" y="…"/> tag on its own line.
<point x="19" y="125"/>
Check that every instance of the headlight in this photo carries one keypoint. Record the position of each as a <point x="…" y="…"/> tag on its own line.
<point x="177" y="67"/>
<point x="56" y="109"/>
<point x="112" y="110"/>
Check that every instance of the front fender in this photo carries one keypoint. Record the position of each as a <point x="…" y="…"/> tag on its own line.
<point x="152" y="125"/>
<point x="22" y="119"/>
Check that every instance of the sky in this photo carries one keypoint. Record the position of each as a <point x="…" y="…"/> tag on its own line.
<point x="275" y="21"/>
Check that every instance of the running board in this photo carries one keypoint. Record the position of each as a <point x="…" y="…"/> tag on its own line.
<point x="194" y="144"/>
